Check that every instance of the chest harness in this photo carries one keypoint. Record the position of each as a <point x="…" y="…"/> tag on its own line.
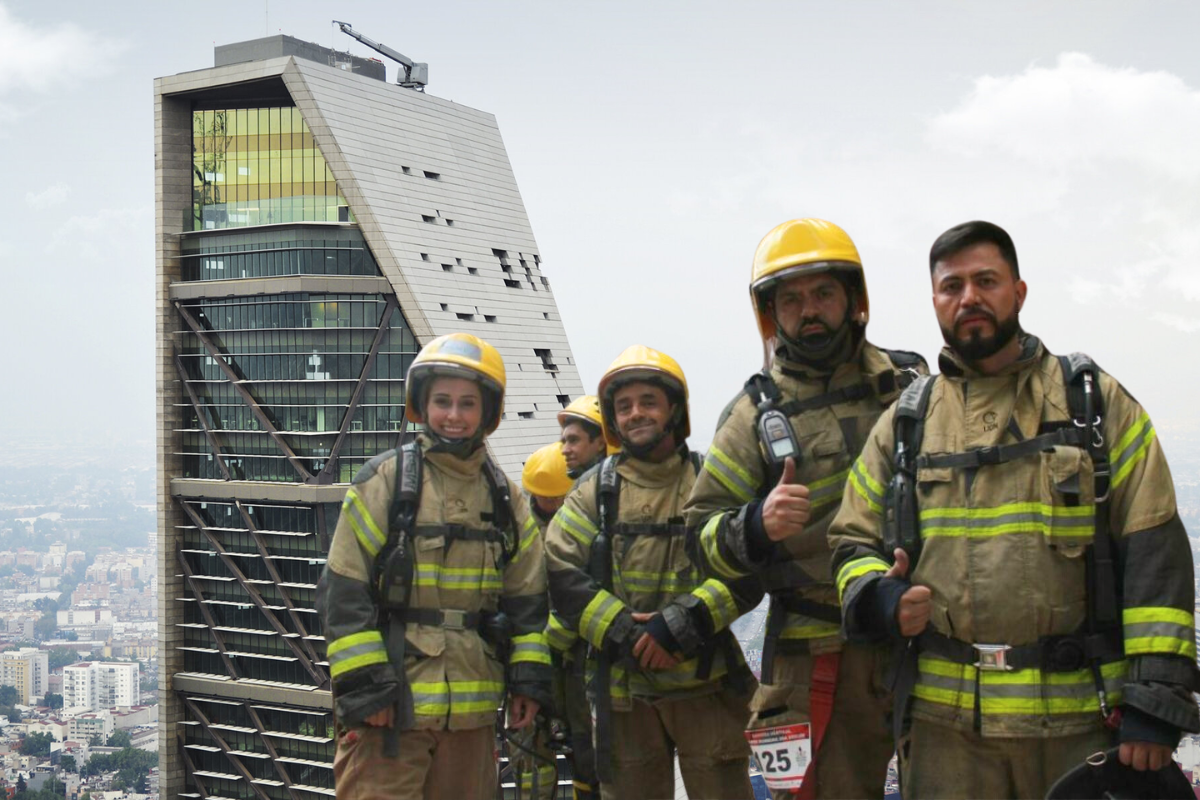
<point x="1099" y="641"/>
<point x="782" y="576"/>
<point x="600" y="568"/>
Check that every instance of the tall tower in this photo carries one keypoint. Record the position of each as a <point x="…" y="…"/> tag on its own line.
<point x="315" y="226"/>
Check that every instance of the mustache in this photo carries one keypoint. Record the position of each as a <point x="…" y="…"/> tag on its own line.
<point x="806" y="321"/>
<point x="975" y="312"/>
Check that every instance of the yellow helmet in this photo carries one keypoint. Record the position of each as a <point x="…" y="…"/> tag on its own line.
<point x="585" y="408"/>
<point x="803" y="246"/>
<point x="545" y="472"/>
<point x="641" y="363"/>
<point x="457" y="355"/>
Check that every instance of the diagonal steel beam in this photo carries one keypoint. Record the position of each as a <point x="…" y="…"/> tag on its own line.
<point x="326" y="474"/>
<point x="247" y="398"/>
<point x="225" y="748"/>
<point x="275" y="576"/>
<point x="319" y="678"/>
<point x="280" y="770"/>
<point x="208" y="431"/>
<point x="208" y="617"/>
<point x="191" y="771"/>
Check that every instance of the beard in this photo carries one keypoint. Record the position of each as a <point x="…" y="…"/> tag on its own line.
<point x="977" y="347"/>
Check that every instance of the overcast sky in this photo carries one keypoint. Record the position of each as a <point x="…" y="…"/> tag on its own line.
<point x="654" y="144"/>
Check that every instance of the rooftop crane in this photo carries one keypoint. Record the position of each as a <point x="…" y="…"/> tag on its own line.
<point x="416" y="75"/>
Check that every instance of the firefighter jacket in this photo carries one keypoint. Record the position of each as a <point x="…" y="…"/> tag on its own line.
<point x="726" y="500"/>
<point x="560" y="637"/>
<point x="651" y="571"/>
<point x="455" y="677"/>
<point x="1004" y="551"/>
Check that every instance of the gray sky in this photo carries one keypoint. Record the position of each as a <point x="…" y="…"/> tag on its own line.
<point x="654" y="144"/>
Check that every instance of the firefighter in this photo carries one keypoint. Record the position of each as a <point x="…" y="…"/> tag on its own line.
<point x="1012" y="524"/>
<point x="583" y="447"/>
<point x="761" y="510"/>
<point x="545" y="481"/>
<point x="667" y="676"/>
<point x="583" y="443"/>
<point x="433" y="599"/>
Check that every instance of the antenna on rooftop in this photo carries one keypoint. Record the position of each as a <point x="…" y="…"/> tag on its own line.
<point x="416" y="75"/>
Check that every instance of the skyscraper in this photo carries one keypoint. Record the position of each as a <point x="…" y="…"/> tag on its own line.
<point x="315" y="225"/>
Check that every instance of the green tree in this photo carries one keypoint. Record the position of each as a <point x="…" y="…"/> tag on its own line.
<point x="94" y="741"/>
<point x="62" y="657"/>
<point x="21" y="785"/>
<point x="53" y="700"/>
<point x="67" y="763"/>
<point x="120" y="738"/>
<point x="8" y="695"/>
<point x="36" y="744"/>
<point x="45" y="626"/>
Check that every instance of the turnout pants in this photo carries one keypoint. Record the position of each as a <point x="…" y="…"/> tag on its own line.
<point x="705" y="732"/>
<point x="431" y="765"/>
<point x="854" y="756"/>
<point x="938" y="761"/>
<point x="579" y="718"/>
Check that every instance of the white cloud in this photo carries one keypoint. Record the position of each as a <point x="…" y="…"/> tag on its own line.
<point x="1184" y="324"/>
<point x="104" y="236"/>
<point x="49" y="197"/>
<point x="35" y="59"/>
<point x="1079" y="112"/>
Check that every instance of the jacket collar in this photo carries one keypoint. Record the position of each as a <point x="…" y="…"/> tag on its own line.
<point x="649" y="474"/>
<point x="953" y="366"/>
<point x="464" y="468"/>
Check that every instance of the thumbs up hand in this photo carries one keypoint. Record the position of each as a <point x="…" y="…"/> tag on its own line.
<point x="786" y="510"/>
<point x="912" y="612"/>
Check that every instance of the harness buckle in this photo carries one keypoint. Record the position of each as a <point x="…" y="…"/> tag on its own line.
<point x="988" y="455"/>
<point x="1097" y="436"/>
<point x="992" y="657"/>
<point x="454" y="619"/>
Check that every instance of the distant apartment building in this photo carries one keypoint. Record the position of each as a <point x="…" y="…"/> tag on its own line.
<point x="95" y="685"/>
<point x="91" y="615"/>
<point x="83" y="727"/>
<point x="28" y="670"/>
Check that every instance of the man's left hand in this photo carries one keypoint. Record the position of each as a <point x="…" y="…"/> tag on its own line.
<point x="521" y="711"/>
<point x="649" y="653"/>
<point x="1144" y="756"/>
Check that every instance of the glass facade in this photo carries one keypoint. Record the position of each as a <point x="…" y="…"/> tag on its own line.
<point x="259" y="166"/>
<point x="300" y="356"/>
<point x="265" y="254"/>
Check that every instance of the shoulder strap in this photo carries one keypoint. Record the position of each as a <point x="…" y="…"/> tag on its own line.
<point x="501" y="506"/>
<point x="909" y="422"/>
<point x="407" y="493"/>
<point x="905" y="364"/>
<point x="608" y="489"/>
<point x="761" y="388"/>
<point x="697" y="460"/>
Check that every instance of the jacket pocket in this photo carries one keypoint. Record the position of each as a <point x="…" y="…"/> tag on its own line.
<point x="1068" y="500"/>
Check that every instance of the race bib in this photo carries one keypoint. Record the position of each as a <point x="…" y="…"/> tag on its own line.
<point x="783" y="754"/>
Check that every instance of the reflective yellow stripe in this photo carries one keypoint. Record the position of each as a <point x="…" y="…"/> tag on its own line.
<point x="719" y="601"/>
<point x="530" y="648"/>
<point x="579" y="526"/>
<point x="355" y="651"/>
<point x="1131" y="448"/>
<point x="457" y="578"/>
<point x="1159" y="629"/>
<point x="371" y="538"/>
<point x="436" y="699"/>
<point x="827" y="490"/>
<point x="598" y="615"/>
<point x="529" y="532"/>
<point x="867" y="487"/>
<point x="819" y="630"/>
<point x="1061" y="521"/>
<point x="730" y="474"/>
<point x="558" y="635"/>
<point x="710" y="543"/>
<point x="856" y="567"/>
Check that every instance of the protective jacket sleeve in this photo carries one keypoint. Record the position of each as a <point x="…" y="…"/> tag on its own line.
<point x="726" y="496"/>
<point x="856" y="536"/>
<point x="524" y="601"/>
<point x="1158" y="623"/>
<point x="597" y="614"/>
<point x="364" y="682"/>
